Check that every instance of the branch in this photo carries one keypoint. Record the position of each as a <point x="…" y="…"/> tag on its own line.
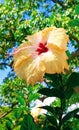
<point x="3" y="63"/>
<point x="74" y="55"/>
<point x="6" y="64"/>
<point x="60" y="3"/>
<point x="74" y="38"/>
<point x="6" y="113"/>
<point x="17" y="120"/>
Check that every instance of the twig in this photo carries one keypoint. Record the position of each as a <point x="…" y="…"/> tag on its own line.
<point x="74" y="55"/>
<point x="6" y="113"/>
<point x="5" y="64"/>
<point x="60" y="3"/>
<point x="74" y="38"/>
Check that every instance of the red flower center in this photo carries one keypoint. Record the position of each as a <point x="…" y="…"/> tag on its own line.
<point x="42" y="48"/>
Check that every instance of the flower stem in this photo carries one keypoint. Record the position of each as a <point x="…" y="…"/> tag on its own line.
<point x="62" y="101"/>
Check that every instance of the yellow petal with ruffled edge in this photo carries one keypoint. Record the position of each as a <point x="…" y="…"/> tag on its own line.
<point x="22" y="51"/>
<point x="31" y="70"/>
<point x="41" y="36"/>
<point x="35" y="71"/>
<point x="46" y="33"/>
<point x="55" y="62"/>
<point x="58" y="38"/>
<point x="35" y="38"/>
<point x="30" y="66"/>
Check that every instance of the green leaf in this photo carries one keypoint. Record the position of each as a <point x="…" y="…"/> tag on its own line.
<point x="54" y="92"/>
<point x="53" y="110"/>
<point x="46" y="128"/>
<point x="76" y="116"/>
<point x="68" y="53"/>
<point x="50" y="128"/>
<point x="73" y="80"/>
<point x="54" y="78"/>
<point x="52" y="120"/>
<point x="33" y="96"/>
<point x="21" y="98"/>
<point x="17" y="112"/>
<point x="28" y="123"/>
<point x="67" y="126"/>
<point x="70" y="115"/>
<point x="68" y="92"/>
<point x="74" y="22"/>
<point x="48" y="108"/>
<point x="77" y="9"/>
<point x="9" y="124"/>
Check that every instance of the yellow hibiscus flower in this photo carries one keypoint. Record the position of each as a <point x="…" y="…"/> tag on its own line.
<point x="44" y="52"/>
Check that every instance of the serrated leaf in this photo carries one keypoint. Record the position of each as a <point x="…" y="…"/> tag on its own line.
<point x="73" y="80"/>
<point x="28" y="123"/>
<point x="70" y="115"/>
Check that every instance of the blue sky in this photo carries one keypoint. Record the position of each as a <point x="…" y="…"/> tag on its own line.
<point x="3" y="74"/>
<point x="1" y="1"/>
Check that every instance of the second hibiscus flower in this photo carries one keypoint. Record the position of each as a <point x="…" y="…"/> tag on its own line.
<point x="44" y="52"/>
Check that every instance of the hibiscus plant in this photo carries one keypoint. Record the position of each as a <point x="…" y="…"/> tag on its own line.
<point x="39" y="46"/>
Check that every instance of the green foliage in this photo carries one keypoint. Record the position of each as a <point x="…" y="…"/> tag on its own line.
<point x="70" y="115"/>
<point x="52" y="120"/>
<point x="73" y="80"/>
<point x="9" y="124"/>
<point x="77" y="9"/>
<point x="18" y="19"/>
<point x="73" y="23"/>
<point x="56" y="113"/>
<point x="28" y="123"/>
<point x="51" y="92"/>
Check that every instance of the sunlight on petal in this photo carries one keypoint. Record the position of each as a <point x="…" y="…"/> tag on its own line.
<point x="55" y="62"/>
<point x="59" y="38"/>
<point x="44" y="52"/>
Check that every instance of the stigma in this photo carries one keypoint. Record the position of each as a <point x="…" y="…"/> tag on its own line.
<point x="42" y="48"/>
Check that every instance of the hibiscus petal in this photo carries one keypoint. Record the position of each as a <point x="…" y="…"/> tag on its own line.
<point x="35" y="72"/>
<point x="40" y="36"/>
<point x="35" y="38"/>
<point x="20" y="66"/>
<point x="55" y="62"/>
<point x="45" y="33"/>
<point x="31" y="70"/>
<point x="30" y="66"/>
<point x="59" y="38"/>
<point x="22" y="51"/>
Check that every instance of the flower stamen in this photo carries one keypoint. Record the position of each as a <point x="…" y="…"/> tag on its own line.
<point x="42" y="48"/>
